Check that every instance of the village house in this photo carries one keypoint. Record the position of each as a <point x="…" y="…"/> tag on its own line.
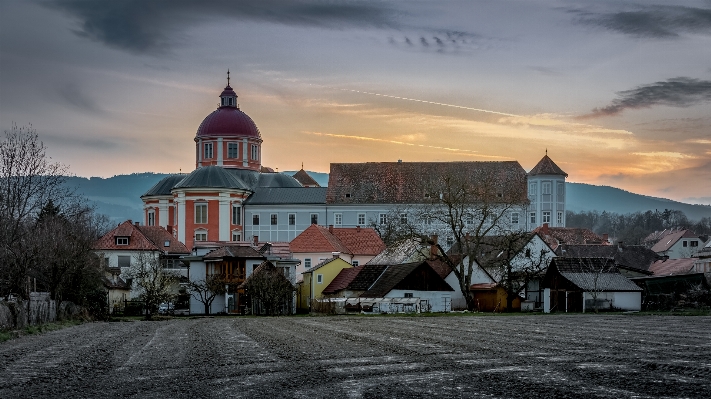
<point x="318" y="277"/>
<point x="679" y="244"/>
<point x="556" y="236"/>
<point x="630" y="260"/>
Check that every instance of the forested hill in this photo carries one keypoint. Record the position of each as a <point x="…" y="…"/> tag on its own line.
<point x="587" y="197"/>
<point x="119" y="196"/>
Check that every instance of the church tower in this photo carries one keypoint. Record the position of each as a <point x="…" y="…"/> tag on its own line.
<point x="546" y="191"/>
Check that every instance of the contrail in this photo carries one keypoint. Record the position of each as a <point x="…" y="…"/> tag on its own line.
<point x="426" y="102"/>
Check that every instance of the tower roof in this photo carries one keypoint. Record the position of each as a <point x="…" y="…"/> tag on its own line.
<point x="212" y="177"/>
<point x="228" y="121"/>
<point x="546" y="166"/>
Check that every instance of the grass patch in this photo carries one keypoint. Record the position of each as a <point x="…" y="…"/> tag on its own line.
<point x="6" y="335"/>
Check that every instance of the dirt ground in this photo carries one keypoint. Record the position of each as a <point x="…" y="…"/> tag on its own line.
<point x="366" y="357"/>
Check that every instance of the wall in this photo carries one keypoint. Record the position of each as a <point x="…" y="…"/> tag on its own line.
<point x="440" y="301"/>
<point x="38" y="310"/>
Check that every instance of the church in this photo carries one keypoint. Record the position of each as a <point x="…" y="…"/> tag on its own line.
<point x="231" y="196"/>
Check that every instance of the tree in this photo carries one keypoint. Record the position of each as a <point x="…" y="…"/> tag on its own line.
<point x="465" y="207"/>
<point x="206" y="290"/>
<point x="597" y="269"/>
<point x="269" y="289"/>
<point x="153" y="281"/>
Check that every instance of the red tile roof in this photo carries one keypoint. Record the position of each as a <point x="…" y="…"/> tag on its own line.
<point x="670" y="239"/>
<point x="354" y="241"/>
<point x="141" y="238"/>
<point x="546" y="166"/>
<point x="411" y="182"/>
<point x="672" y="266"/>
<point x="554" y="236"/>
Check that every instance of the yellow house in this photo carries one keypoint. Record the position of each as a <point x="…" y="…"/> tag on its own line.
<point x="319" y="277"/>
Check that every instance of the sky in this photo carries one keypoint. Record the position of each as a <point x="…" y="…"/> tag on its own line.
<point x="618" y="93"/>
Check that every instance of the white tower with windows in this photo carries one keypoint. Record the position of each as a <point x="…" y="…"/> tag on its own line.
<point x="546" y="190"/>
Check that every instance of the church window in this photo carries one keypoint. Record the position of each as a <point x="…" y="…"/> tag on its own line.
<point x="560" y="188"/>
<point x="560" y="218"/>
<point x="383" y="219"/>
<point x="292" y="219"/>
<point x="236" y="215"/>
<point x="514" y="218"/>
<point x="532" y="189"/>
<point x="151" y="218"/>
<point x="273" y="219"/>
<point x="546" y="188"/>
<point x="232" y="150"/>
<point x="532" y="215"/>
<point x="337" y="219"/>
<point x="361" y="219"/>
<point x="546" y="217"/>
<point x="201" y="235"/>
<point x="208" y="150"/>
<point x="255" y="152"/>
<point x="255" y="220"/>
<point x="314" y="218"/>
<point x="200" y="213"/>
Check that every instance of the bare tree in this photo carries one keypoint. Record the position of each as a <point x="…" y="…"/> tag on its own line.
<point x="597" y="268"/>
<point x="206" y="290"/>
<point x="154" y="282"/>
<point x="269" y="289"/>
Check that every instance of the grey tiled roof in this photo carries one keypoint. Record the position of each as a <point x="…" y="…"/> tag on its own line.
<point x="593" y="274"/>
<point x="287" y="195"/>
<point x="212" y="177"/>
<point x="164" y="186"/>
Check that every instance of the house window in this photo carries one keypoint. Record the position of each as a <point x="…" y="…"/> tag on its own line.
<point x="255" y="220"/>
<point x="694" y="243"/>
<point x="361" y="219"/>
<point x="292" y="219"/>
<point x="514" y="218"/>
<point x="546" y="217"/>
<point x="236" y="236"/>
<point x="319" y="278"/>
<point x="255" y="152"/>
<point x="546" y="188"/>
<point x="528" y="252"/>
<point x="208" y="150"/>
<point x="121" y="240"/>
<point x="273" y="219"/>
<point x="684" y="244"/>
<point x="469" y="219"/>
<point x="201" y="235"/>
<point x="232" y="150"/>
<point x="151" y="218"/>
<point x="236" y="215"/>
<point x="408" y="295"/>
<point x="355" y="263"/>
<point x="383" y="218"/>
<point x="403" y="218"/>
<point x="560" y="218"/>
<point x="560" y="188"/>
<point x="314" y="218"/>
<point x="200" y="213"/>
<point x="307" y="263"/>
<point x="450" y="241"/>
<point x="532" y="189"/>
<point x="532" y="215"/>
<point x="337" y="219"/>
<point x="427" y="219"/>
<point x="124" y="261"/>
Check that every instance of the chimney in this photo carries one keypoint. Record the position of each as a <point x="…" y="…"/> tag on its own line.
<point x="604" y="237"/>
<point x="619" y="246"/>
<point x="169" y="228"/>
<point x="336" y="255"/>
<point x="130" y="221"/>
<point x="256" y="240"/>
<point x="358" y="229"/>
<point x="138" y="224"/>
<point x="330" y="228"/>
<point x="563" y="247"/>
<point x="545" y="229"/>
<point x="433" y="246"/>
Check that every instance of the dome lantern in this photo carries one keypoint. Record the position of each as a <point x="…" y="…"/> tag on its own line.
<point x="228" y="97"/>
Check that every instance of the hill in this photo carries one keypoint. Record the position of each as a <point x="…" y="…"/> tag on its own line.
<point x="119" y="196"/>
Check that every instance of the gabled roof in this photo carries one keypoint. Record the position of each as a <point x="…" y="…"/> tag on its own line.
<point x="555" y="236"/>
<point x="546" y="166"/>
<point x="405" y="251"/>
<point x="656" y="236"/>
<point x="141" y="238"/>
<point x="669" y="240"/>
<point x="366" y="277"/>
<point x="670" y="267"/>
<point x="233" y="251"/>
<point x="591" y="274"/>
<point x="342" y="280"/>
<point x="409" y="182"/>
<point x="394" y="275"/>
<point x="635" y="257"/>
<point x="305" y="179"/>
<point x="326" y="262"/>
<point x="277" y="249"/>
<point x="354" y="241"/>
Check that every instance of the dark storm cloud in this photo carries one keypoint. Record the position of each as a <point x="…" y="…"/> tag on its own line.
<point x="676" y="92"/>
<point x="651" y="22"/>
<point x="155" y="26"/>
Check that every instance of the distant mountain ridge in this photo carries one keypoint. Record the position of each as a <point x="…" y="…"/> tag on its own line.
<point x="119" y="196"/>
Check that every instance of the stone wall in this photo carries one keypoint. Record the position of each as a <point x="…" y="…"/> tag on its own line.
<point x="39" y="309"/>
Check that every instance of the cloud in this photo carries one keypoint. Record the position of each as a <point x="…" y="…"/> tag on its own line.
<point x="676" y="92"/>
<point x="72" y="95"/>
<point x="656" y="22"/>
<point x="141" y="26"/>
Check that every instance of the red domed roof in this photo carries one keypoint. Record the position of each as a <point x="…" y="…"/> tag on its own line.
<point x="228" y="121"/>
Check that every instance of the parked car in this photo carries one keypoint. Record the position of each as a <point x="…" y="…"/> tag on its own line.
<point x="165" y="308"/>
